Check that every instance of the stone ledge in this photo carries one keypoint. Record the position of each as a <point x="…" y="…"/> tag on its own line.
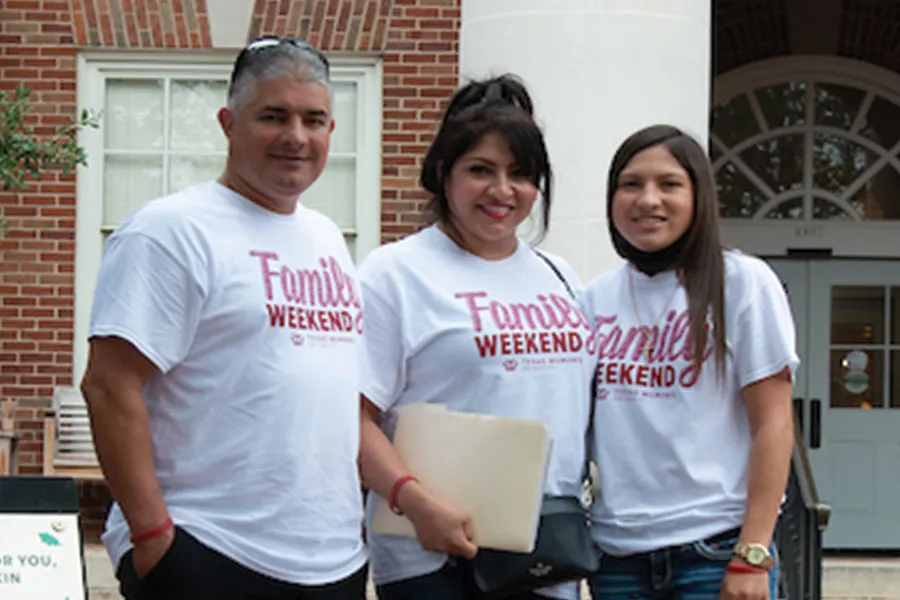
<point x="34" y="403"/>
<point x="860" y="597"/>
<point x="861" y="579"/>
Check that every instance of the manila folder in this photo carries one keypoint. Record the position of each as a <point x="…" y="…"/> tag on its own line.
<point x="492" y="467"/>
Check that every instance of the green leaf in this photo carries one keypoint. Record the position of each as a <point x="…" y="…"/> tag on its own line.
<point x="49" y="539"/>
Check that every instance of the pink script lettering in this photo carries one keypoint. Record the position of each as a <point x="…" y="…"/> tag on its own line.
<point x="667" y="344"/>
<point x="549" y="312"/>
<point x="329" y="286"/>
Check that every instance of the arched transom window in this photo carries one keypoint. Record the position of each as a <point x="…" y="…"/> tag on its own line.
<point x="807" y="146"/>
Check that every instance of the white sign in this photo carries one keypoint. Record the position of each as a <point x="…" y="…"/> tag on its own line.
<point x="40" y="557"/>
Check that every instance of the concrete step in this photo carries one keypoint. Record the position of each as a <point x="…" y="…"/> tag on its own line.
<point x="100" y="575"/>
<point x="861" y="579"/>
<point x="842" y="579"/>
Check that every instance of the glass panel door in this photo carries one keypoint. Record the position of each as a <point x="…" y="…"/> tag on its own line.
<point x="853" y="364"/>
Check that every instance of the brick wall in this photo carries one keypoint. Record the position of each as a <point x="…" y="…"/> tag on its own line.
<point x="39" y="42"/>
<point x="420" y="74"/>
<point x="37" y="257"/>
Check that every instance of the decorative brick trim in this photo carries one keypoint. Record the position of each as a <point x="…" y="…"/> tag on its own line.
<point x="141" y="23"/>
<point x="332" y="25"/>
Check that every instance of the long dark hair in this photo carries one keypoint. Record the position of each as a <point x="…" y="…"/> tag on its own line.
<point x="499" y="104"/>
<point x="701" y="266"/>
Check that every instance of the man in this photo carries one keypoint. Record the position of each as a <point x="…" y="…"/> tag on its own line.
<point x="222" y="380"/>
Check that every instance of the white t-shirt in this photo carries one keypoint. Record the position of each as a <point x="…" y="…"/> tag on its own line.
<point x="254" y="322"/>
<point x="672" y="451"/>
<point x="492" y="337"/>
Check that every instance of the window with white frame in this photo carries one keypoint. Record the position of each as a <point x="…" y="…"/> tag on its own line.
<point x="808" y="143"/>
<point x="159" y="133"/>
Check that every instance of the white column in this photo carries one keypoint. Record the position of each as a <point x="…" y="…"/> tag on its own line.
<point x="598" y="70"/>
<point x="229" y="22"/>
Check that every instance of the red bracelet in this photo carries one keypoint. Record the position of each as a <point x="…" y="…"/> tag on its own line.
<point x="392" y="498"/>
<point x="152" y="533"/>
<point x="743" y="569"/>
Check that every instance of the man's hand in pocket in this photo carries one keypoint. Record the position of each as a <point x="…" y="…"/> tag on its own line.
<point x="148" y="553"/>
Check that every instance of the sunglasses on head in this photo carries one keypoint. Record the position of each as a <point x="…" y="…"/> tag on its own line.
<point x="275" y="41"/>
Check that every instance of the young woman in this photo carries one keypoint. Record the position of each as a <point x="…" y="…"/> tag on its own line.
<point x="695" y="358"/>
<point x="463" y="313"/>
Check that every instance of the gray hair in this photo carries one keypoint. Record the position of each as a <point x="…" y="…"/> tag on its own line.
<point x="269" y="58"/>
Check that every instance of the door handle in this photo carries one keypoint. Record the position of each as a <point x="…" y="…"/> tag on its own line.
<point x="815" y="423"/>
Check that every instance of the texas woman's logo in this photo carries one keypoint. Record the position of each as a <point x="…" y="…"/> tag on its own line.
<point x="551" y="325"/>
<point x="322" y="302"/>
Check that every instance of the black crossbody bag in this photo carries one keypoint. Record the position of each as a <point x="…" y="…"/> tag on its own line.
<point x="563" y="551"/>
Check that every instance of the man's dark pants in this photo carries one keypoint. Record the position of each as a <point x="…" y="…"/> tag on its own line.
<point x="193" y="571"/>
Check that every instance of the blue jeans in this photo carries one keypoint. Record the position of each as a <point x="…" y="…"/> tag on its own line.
<point x="691" y="572"/>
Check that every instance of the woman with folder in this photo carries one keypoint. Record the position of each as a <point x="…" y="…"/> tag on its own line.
<point x="693" y="446"/>
<point x="464" y="314"/>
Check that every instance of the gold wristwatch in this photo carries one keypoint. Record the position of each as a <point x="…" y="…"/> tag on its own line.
<point x="755" y="555"/>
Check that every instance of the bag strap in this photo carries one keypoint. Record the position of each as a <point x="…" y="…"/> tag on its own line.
<point x="588" y="434"/>
<point x="557" y="272"/>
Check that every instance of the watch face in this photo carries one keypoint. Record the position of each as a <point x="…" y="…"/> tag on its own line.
<point x="756" y="555"/>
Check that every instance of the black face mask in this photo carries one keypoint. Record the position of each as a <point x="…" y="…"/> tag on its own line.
<point x="649" y="263"/>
